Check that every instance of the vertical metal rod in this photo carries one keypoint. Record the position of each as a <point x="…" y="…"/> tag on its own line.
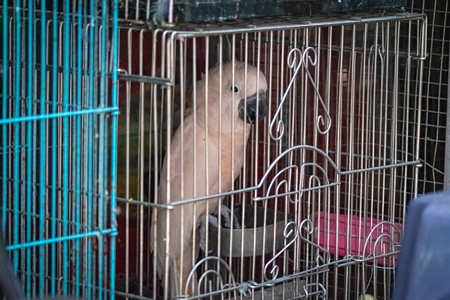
<point x="96" y="254"/>
<point x="141" y="149"/>
<point x="77" y="144"/>
<point x="429" y="82"/>
<point x="17" y="85"/>
<point x="22" y="143"/>
<point x="102" y="142"/>
<point x="65" y="144"/>
<point x="207" y="168"/>
<point x="156" y="158"/>
<point x="256" y="137"/>
<point x="393" y="188"/>
<point x="5" y="89"/>
<point x="194" y="104"/>
<point x="114" y="116"/>
<point x="59" y="258"/>
<point x="442" y="70"/>
<point x="447" y="140"/>
<point x="421" y="52"/>
<point x="127" y="158"/>
<point x="30" y="149"/>
<point x="364" y="81"/>
<point x="166" y="47"/>
<point x="42" y="152"/>
<point x="406" y="100"/>
<point x="53" y="175"/>
<point x="90" y="158"/>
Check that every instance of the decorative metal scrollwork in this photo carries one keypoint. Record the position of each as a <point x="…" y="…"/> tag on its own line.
<point x="385" y="246"/>
<point x="289" y="229"/>
<point x="319" y="291"/>
<point x="323" y="257"/>
<point x="296" y="59"/>
<point x="319" y="184"/>
<point x="283" y="182"/>
<point x="207" y="272"/>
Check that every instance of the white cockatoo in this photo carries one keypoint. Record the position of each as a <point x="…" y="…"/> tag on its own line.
<point x="205" y="157"/>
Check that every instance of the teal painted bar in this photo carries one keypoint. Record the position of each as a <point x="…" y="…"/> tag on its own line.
<point x="114" y="116"/>
<point x="43" y="154"/>
<point x="90" y="134"/>
<point x="96" y="233"/>
<point x="53" y="143"/>
<point x="31" y="156"/>
<point x="4" y="144"/>
<point x="102" y="143"/>
<point x="92" y="111"/>
<point x="17" y="25"/>
<point x="77" y="145"/>
<point x="66" y="67"/>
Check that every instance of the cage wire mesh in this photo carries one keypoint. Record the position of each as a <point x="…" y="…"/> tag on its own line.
<point x="317" y="208"/>
<point x="432" y="176"/>
<point x="305" y="152"/>
<point x="57" y="146"/>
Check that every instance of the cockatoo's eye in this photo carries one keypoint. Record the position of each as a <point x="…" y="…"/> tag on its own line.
<point x="234" y="89"/>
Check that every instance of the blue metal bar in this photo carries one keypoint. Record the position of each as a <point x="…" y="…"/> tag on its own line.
<point x="30" y="135"/>
<point x="113" y="192"/>
<point x="77" y="145"/>
<point x="96" y="255"/>
<point x="84" y="159"/>
<point x="23" y="101"/>
<point x="90" y="133"/>
<point x="58" y="115"/>
<point x="17" y="23"/>
<point x="96" y="233"/>
<point x="102" y="141"/>
<point x="65" y="208"/>
<point x="43" y="153"/>
<point x="54" y="81"/>
<point x="5" y="172"/>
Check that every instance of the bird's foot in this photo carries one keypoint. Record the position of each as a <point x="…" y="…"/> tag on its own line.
<point x="202" y="223"/>
<point x="227" y="214"/>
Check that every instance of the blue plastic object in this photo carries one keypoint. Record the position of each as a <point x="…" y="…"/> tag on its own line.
<point x="424" y="263"/>
<point x="58" y="130"/>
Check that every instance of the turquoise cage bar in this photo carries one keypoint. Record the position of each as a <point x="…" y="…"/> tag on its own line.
<point x="58" y="131"/>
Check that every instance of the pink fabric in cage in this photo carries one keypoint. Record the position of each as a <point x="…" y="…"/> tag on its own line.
<point x="362" y="238"/>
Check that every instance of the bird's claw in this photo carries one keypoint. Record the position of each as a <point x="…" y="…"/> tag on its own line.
<point x="202" y="223"/>
<point x="226" y="214"/>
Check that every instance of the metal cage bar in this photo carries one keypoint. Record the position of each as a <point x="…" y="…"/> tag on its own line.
<point x="326" y="176"/>
<point x="58" y="145"/>
<point x="432" y="177"/>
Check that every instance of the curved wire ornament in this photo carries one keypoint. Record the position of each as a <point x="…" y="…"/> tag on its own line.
<point x="321" y="120"/>
<point x="284" y="182"/>
<point x="321" y="291"/>
<point x="319" y="185"/>
<point x="207" y="272"/>
<point x="296" y="59"/>
<point x="286" y="234"/>
<point x="293" y="62"/>
<point x="383" y="240"/>
<point x="301" y="175"/>
<point x="308" y="226"/>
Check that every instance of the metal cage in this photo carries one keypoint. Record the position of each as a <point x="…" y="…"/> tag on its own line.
<point x="326" y="176"/>
<point x="435" y="176"/>
<point x="57" y="145"/>
<point x="306" y="202"/>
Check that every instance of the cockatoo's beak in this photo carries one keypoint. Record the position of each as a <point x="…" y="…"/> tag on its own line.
<point x="256" y="108"/>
